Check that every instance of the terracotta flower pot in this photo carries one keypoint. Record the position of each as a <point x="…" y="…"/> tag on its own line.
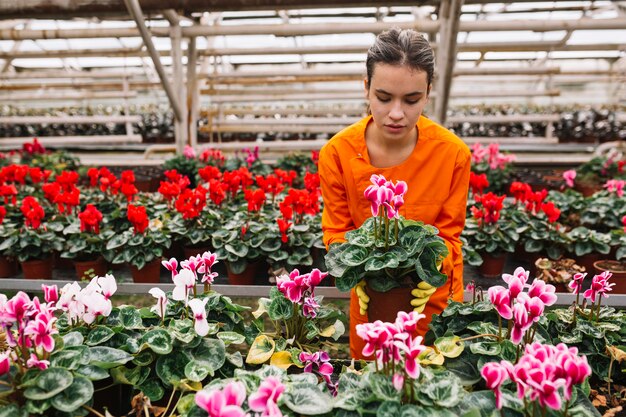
<point x="149" y="274"/>
<point x="384" y="306"/>
<point x="88" y="269"/>
<point x="189" y="251"/>
<point x="246" y="277"/>
<point x="618" y="269"/>
<point x="8" y="267"/>
<point x="38" y="268"/>
<point x="493" y="265"/>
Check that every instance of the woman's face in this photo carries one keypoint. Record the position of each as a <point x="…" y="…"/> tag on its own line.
<point x="397" y="95"/>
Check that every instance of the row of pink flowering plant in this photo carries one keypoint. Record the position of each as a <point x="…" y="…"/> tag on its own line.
<point x="506" y="325"/>
<point x="387" y="250"/>
<point x="43" y="371"/>
<point x="170" y="349"/>
<point x="300" y="323"/>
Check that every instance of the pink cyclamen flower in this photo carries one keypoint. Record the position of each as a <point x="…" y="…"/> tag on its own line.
<point x="15" y="309"/>
<point x="577" y="281"/>
<point x="545" y="292"/>
<point x="201" y="325"/>
<point x="40" y="330"/>
<point x="189" y="152"/>
<point x="393" y="207"/>
<point x="501" y="300"/>
<point x="184" y="281"/>
<point x="516" y="282"/>
<point x="310" y="307"/>
<point x="600" y="286"/>
<point x="470" y="287"/>
<point x="207" y="260"/>
<point x="223" y="403"/>
<point x="171" y="265"/>
<point x="375" y="335"/>
<point x="314" y="278"/>
<point x="615" y="186"/>
<point x="50" y="293"/>
<point x="412" y="350"/>
<point x="267" y="395"/>
<point x="35" y="362"/>
<point x="495" y="374"/>
<point x="624" y="223"/>
<point x="293" y="286"/>
<point x="5" y="363"/>
<point x="569" y="177"/>
<point x="398" y="381"/>
<point x="407" y="322"/>
<point x="534" y="306"/>
<point x="521" y="323"/>
<point x="192" y="264"/>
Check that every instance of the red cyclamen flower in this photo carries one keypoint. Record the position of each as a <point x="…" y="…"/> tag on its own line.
<point x="32" y="211"/>
<point x="138" y="217"/>
<point x="90" y="219"/>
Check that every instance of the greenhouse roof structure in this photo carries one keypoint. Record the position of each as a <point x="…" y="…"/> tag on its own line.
<point x="240" y="57"/>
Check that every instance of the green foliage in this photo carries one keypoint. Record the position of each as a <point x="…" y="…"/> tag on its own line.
<point x="416" y="254"/>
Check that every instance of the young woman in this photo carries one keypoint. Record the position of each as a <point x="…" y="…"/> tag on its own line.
<point x="395" y="140"/>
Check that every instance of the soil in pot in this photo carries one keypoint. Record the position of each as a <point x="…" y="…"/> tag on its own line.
<point x="8" y="267"/>
<point x="38" y="268"/>
<point x="618" y="269"/>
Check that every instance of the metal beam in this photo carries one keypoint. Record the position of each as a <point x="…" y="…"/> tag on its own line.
<point x="135" y="10"/>
<point x="76" y="8"/>
<point x="314" y="50"/>
<point x="422" y="25"/>
<point x="180" y="124"/>
<point x="446" y="61"/>
<point x="193" y="93"/>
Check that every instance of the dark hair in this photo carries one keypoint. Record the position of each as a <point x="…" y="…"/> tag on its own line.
<point x="401" y="47"/>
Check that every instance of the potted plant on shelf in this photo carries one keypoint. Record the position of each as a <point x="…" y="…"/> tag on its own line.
<point x="616" y="266"/>
<point x="490" y="233"/>
<point x="588" y="246"/>
<point x="392" y="254"/>
<point x="85" y="244"/>
<point x="36" y="241"/>
<point x="591" y="175"/>
<point x="245" y="237"/>
<point x="296" y="232"/>
<point x="558" y="272"/>
<point x="142" y="245"/>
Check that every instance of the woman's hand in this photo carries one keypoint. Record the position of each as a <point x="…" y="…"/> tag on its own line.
<point x="364" y="299"/>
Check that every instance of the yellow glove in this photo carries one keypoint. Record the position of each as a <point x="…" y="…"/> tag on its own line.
<point x="364" y="299"/>
<point x="422" y="293"/>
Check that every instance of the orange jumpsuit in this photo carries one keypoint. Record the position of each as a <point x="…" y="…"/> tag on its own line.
<point x="437" y="174"/>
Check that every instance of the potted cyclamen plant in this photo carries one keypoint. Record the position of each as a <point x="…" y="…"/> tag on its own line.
<point x="301" y="323"/>
<point x="141" y="245"/>
<point x="392" y="254"/>
<point x="243" y="239"/>
<point x="85" y="244"/>
<point x="491" y="234"/>
<point x="36" y="241"/>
